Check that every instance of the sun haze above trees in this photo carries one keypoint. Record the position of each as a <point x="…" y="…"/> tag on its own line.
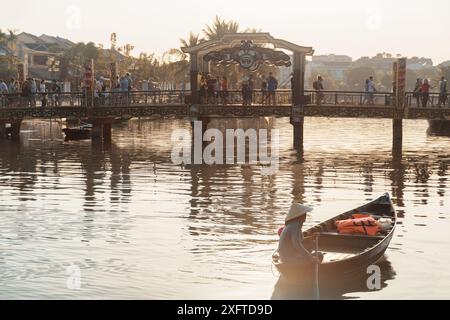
<point x="172" y="67"/>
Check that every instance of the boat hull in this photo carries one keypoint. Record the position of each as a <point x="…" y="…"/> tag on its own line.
<point x="77" y="134"/>
<point x="340" y="270"/>
<point x="358" y="251"/>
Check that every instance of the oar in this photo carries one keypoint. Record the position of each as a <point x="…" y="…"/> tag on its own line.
<point x="316" y="271"/>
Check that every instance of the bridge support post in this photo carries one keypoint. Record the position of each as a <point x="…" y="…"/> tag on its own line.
<point x="197" y="144"/>
<point x="101" y="131"/>
<point x="97" y="132"/>
<point x="107" y="136"/>
<point x="15" y="130"/>
<point x="397" y="140"/>
<point x="298" y="89"/>
<point x="194" y="79"/>
<point x="2" y="130"/>
<point x="297" y="123"/>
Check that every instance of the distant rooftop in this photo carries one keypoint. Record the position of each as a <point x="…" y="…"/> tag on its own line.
<point x="56" y="40"/>
<point x="43" y="42"/>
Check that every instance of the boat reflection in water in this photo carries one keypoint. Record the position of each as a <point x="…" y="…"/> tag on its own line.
<point x="439" y="128"/>
<point x="302" y="287"/>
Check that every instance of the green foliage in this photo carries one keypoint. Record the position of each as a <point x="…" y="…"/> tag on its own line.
<point x="5" y="71"/>
<point x="192" y="40"/>
<point x="445" y="72"/>
<point x="3" y="37"/>
<point x="73" y="60"/>
<point x="356" y="77"/>
<point x="220" y="27"/>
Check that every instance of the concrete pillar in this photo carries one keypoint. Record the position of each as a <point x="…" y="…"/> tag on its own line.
<point x="397" y="140"/>
<point x="194" y="78"/>
<point x="107" y="137"/>
<point x="298" y="123"/>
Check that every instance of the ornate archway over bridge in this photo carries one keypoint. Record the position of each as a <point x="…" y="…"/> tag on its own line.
<point x="247" y="50"/>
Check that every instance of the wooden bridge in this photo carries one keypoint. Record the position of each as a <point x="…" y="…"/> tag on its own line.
<point x="336" y="104"/>
<point x="102" y="110"/>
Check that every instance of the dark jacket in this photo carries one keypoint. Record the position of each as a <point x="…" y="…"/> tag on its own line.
<point x="290" y="247"/>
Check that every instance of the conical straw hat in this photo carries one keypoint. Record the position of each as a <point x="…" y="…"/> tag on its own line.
<point x="297" y="210"/>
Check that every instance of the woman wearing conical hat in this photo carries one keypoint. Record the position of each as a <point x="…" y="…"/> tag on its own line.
<point x="290" y="247"/>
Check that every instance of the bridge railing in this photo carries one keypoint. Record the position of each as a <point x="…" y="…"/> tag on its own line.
<point x="17" y="100"/>
<point x="232" y="97"/>
<point x="349" y="98"/>
<point x="136" y="98"/>
<point x="419" y="100"/>
<point x="255" y="97"/>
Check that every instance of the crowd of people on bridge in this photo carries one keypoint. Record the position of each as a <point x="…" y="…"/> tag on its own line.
<point x="213" y="90"/>
<point x="422" y="92"/>
<point x="30" y="91"/>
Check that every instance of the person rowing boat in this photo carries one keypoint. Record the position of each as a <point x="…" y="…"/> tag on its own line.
<point x="347" y="252"/>
<point x="290" y="247"/>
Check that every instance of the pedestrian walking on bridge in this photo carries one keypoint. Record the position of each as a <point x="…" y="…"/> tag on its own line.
<point x="443" y="95"/>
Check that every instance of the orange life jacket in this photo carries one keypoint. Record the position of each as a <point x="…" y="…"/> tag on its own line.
<point x="360" y="224"/>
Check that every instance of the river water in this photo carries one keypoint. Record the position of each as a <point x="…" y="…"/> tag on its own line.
<point x="128" y="223"/>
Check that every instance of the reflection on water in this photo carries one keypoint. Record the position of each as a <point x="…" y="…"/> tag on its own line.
<point x="138" y="226"/>
<point x="302" y="288"/>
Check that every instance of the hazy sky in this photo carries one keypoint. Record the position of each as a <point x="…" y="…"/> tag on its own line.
<point x="353" y="27"/>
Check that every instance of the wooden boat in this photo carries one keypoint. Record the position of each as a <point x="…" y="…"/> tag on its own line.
<point x="122" y="119"/>
<point x="82" y="132"/>
<point x="74" y="121"/>
<point x="344" y="255"/>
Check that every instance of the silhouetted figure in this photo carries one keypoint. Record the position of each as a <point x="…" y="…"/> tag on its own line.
<point x="443" y="95"/>
<point x="290" y="248"/>
<point x="371" y="89"/>
<point x="264" y="92"/>
<point x="416" y="92"/>
<point x="425" y="92"/>
<point x="224" y="90"/>
<point x="318" y="86"/>
<point x="272" y="86"/>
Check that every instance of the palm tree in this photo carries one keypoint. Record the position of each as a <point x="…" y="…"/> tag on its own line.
<point x="192" y="40"/>
<point x="3" y="37"/>
<point x="12" y="38"/>
<point x="180" y="67"/>
<point x="9" y="40"/>
<point x="220" y="27"/>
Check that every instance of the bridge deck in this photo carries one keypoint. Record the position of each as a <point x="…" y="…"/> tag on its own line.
<point x="180" y="110"/>
<point x="176" y="103"/>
